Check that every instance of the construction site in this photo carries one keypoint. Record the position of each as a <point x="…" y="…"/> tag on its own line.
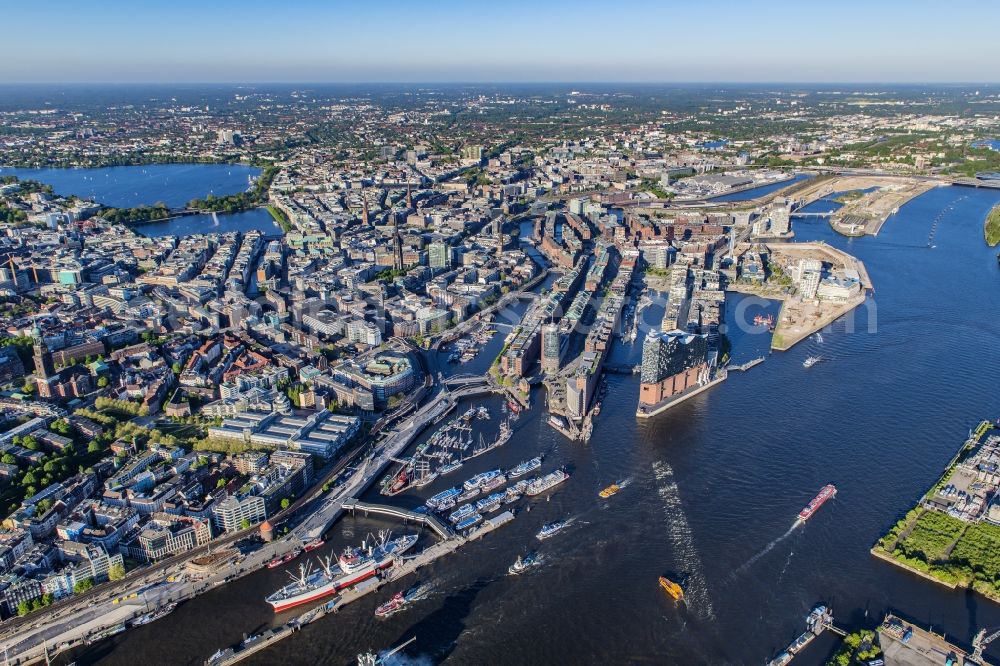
<point x="882" y="196"/>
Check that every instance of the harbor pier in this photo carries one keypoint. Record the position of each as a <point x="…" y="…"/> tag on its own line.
<point x="433" y="522"/>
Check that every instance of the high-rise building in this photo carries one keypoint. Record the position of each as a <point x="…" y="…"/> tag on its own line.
<point x="439" y="255"/>
<point x="780" y="220"/>
<point x="807" y="275"/>
<point x="551" y="348"/>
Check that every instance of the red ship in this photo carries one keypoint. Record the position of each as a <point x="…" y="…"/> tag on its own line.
<point x="400" y="482"/>
<point x="826" y="493"/>
<point x="761" y="320"/>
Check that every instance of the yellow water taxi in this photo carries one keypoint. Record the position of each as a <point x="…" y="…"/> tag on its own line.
<point x="672" y="588"/>
<point x="609" y="491"/>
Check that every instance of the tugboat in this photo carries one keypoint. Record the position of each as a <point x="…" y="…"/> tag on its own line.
<point x="672" y="588"/>
<point x="811" y="361"/>
<point x="609" y="491"/>
<point x="394" y="605"/>
<point x="522" y="564"/>
<point x="401" y="600"/>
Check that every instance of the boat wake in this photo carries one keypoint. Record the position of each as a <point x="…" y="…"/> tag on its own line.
<point x="419" y="592"/>
<point x="624" y="483"/>
<point x="767" y="549"/>
<point x="400" y="659"/>
<point x="679" y="530"/>
<point x="571" y="521"/>
<point x="788" y="561"/>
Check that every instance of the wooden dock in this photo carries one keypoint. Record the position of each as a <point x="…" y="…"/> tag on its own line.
<point x="818" y="621"/>
<point x="746" y="366"/>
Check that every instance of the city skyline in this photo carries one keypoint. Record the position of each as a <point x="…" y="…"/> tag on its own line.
<point x="248" y="42"/>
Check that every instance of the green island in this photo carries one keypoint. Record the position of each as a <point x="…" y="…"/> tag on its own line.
<point x="858" y="647"/>
<point x="137" y="215"/>
<point x="941" y="547"/>
<point x="234" y="203"/>
<point x="847" y="197"/>
<point x="992" y="226"/>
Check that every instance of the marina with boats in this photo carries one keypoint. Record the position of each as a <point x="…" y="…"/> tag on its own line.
<point x="445" y="452"/>
<point x="468" y="347"/>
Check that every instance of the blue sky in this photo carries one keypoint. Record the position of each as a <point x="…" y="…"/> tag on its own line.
<point x="511" y="40"/>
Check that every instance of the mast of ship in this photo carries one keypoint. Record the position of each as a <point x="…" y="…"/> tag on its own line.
<point x="303" y="574"/>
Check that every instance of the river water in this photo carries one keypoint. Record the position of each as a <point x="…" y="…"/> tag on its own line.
<point x="712" y="489"/>
<point x="755" y="192"/>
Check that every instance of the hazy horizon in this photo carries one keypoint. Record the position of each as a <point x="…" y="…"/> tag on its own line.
<point x="512" y="82"/>
<point x="391" y="41"/>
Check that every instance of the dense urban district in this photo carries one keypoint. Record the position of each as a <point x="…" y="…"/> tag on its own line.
<point x="179" y="410"/>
